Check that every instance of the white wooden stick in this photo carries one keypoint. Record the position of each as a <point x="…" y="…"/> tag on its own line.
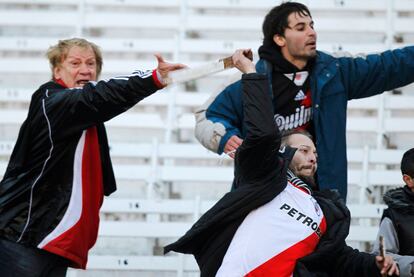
<point x="189" y="74"/>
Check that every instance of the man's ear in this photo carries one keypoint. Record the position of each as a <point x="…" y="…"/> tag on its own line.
<point x="279" y="40"/>
<point x="56" y="73"/>
<point x="408" y="180"/>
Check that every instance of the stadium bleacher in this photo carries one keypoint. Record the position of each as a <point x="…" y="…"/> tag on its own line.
<point x="165" y="178"/>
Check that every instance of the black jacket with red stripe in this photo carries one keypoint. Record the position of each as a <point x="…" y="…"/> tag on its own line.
<point x="260" y="175"/>
<point x="60" y="167"/>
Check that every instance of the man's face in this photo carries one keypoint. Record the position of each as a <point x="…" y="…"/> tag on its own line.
<point x="78" y="68"/>
<point x="299" y="41"/>
<point x="304" y="162"/>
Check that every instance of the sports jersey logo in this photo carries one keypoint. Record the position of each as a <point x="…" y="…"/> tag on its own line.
<point x="301" y="117"/>
<point x="298" y="78"/>
<point x="300" y="96"/>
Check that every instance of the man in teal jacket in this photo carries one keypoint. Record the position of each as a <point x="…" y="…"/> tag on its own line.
<point x="312" y="89"/>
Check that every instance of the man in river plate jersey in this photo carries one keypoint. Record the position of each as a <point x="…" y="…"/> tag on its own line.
<point x="275" y="223"/>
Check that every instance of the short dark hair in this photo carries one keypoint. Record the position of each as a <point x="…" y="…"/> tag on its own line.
<point x="407" y="163"/>
<point x="286" y="134"/>
<point x="276" y="20"/>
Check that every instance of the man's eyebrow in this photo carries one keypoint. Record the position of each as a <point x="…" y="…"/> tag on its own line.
<point x="298" y="24"/>
<point x="305" y="146"/>
<point x="302" y="23"/>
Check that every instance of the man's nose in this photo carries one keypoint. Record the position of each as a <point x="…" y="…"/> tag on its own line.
<point x="312" y="158"/>
<point x="85" y="69"/>
<point x="311" y="32"/>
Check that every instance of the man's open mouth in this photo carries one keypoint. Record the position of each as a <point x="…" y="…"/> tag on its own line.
<point x="82" y="82"/>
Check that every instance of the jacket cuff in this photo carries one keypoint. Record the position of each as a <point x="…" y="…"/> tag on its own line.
<point x="254" y="76"/>
<point x="157" y="79"/>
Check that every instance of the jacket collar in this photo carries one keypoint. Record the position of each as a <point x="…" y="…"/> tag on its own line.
<point x="401" y="199"/>
<point x="297" y="182"/>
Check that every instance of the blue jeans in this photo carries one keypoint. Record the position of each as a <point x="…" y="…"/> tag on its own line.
<point x="17" y="260"/>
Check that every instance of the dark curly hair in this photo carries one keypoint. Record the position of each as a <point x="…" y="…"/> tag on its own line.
<point x="276" y="20"/>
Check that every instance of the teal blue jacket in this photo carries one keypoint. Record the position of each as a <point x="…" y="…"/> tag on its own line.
<point x="333" y="82"/>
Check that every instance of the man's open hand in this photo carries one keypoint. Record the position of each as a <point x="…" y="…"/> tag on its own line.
<point x="164" y="67"/>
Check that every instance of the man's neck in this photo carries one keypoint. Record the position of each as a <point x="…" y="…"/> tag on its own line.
<point x="299" y="63"/>
<point x="60" y="82"/>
